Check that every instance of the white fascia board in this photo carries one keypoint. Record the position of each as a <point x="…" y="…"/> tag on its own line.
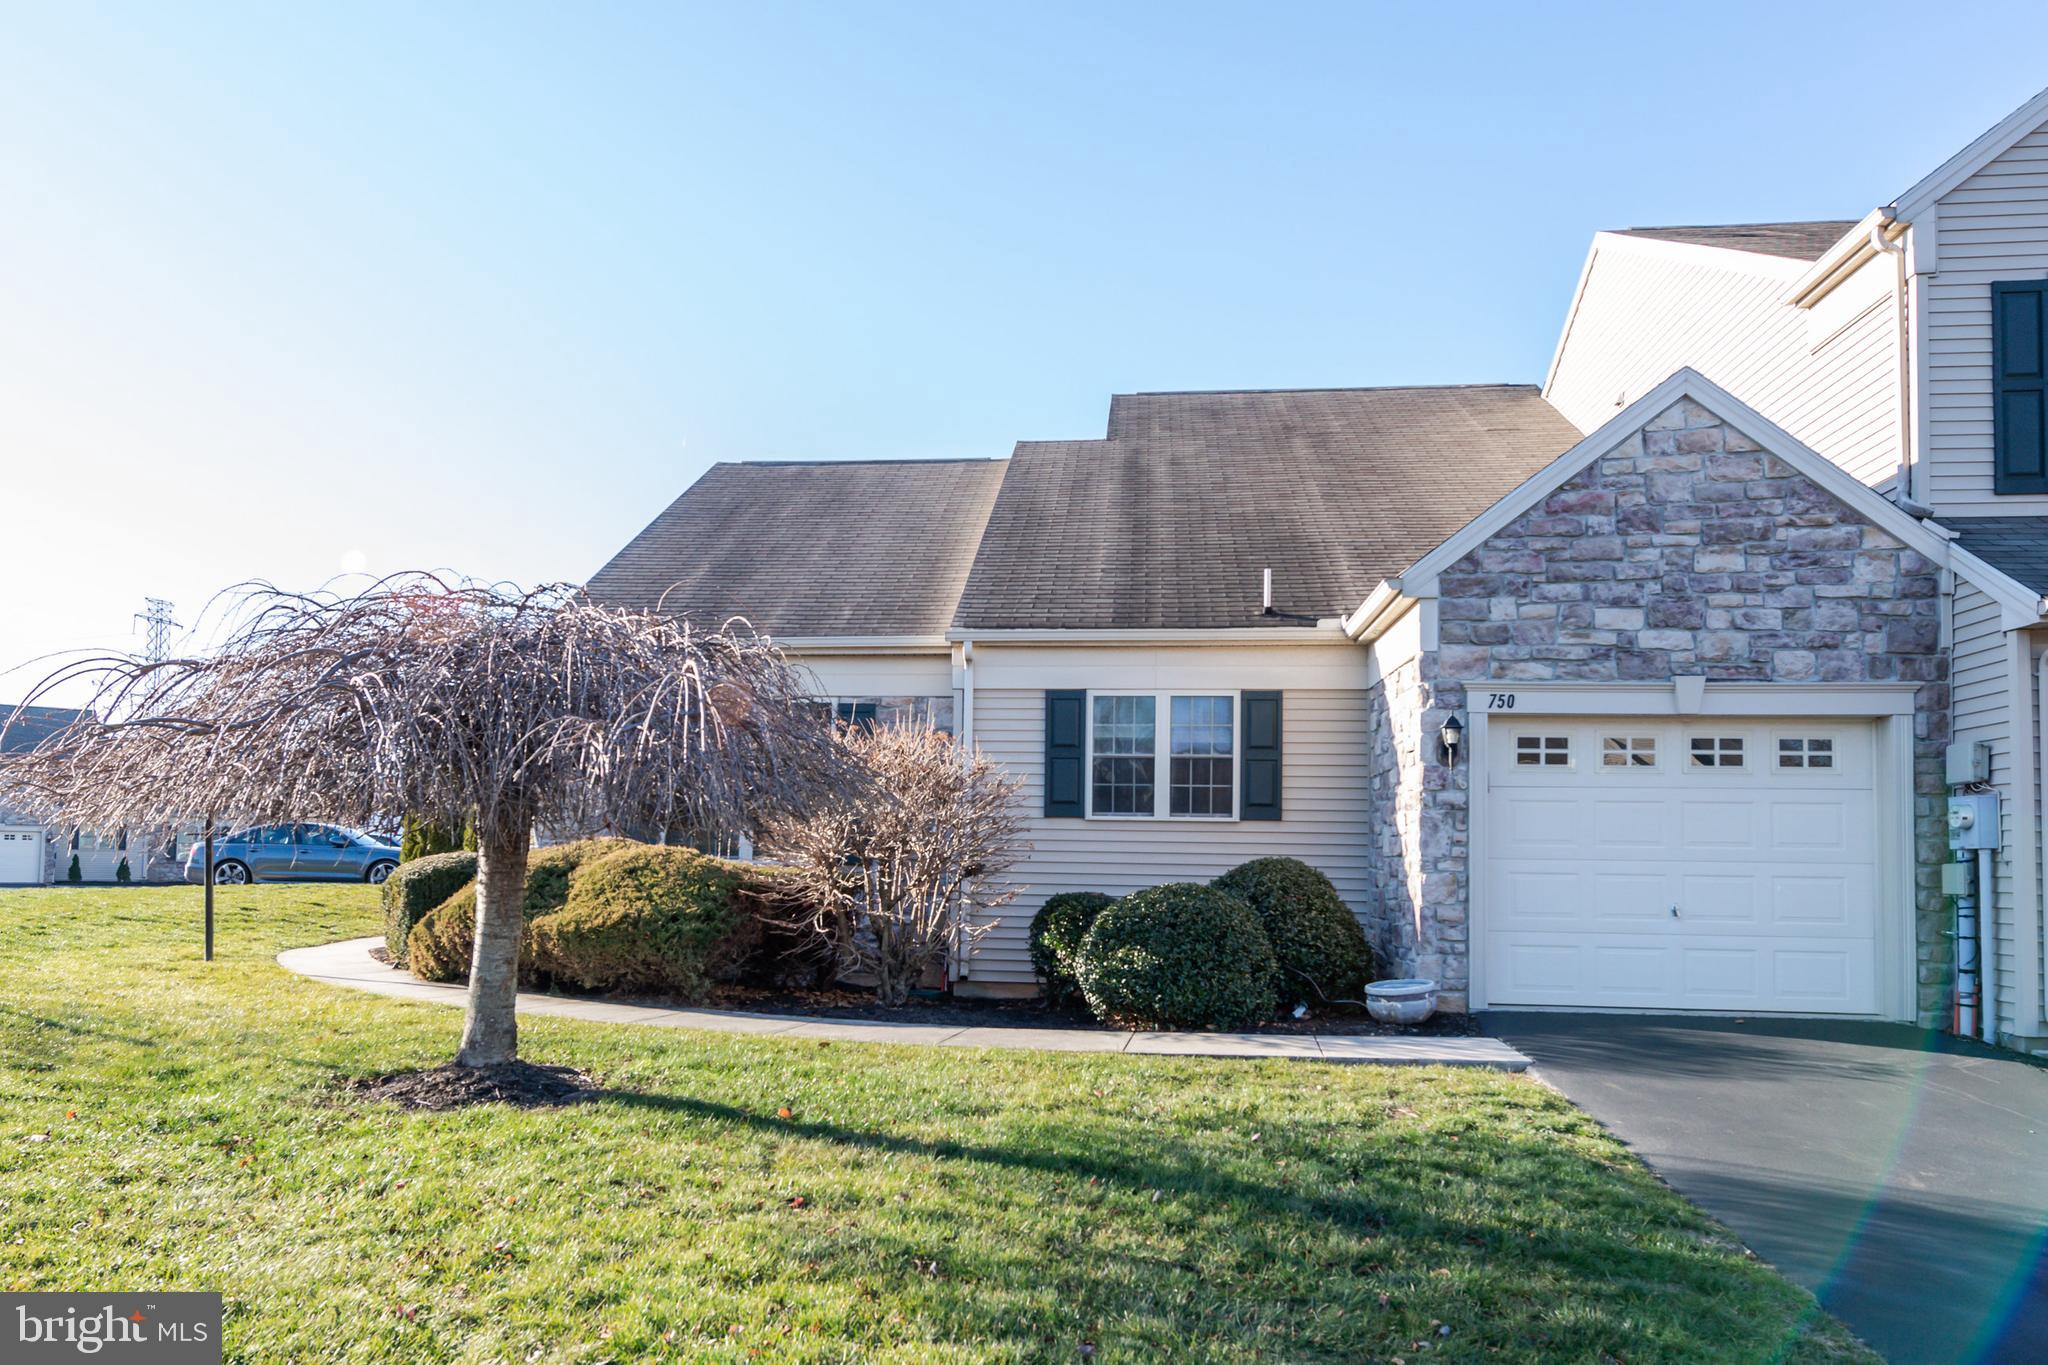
<point x="864" y="644"/>
<point x="1814" y="282"/>
<point x="1992" y="143"/>
<point x="2019" y="605"/>
<point x="1323" y="633"/>
<point x="1420" y="579"/>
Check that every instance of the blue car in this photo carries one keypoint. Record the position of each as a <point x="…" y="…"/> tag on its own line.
<point x="278" y="853"/>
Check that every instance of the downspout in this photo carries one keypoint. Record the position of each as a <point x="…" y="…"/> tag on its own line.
<point x="1902" y="295"/>
<point x="962" y="965"/>
<point x="967" y="697"/>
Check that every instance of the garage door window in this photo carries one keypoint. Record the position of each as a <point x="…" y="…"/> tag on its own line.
<point x="1628" y="751"/>
<point x="1543" y="751"/>
<point x="1806" y="751"/>
<point x="1717" y="751"/>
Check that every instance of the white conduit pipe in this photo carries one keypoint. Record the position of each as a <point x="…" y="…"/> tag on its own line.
<point x="1969" y="982"/>
<point x="1987" y="947"/>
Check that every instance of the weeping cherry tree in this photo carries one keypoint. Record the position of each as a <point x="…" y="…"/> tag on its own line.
<point x="518" y="710"/>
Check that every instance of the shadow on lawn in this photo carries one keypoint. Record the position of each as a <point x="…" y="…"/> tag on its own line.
<point x="1582" y="1234"/>
<point x="76" y="1030"/>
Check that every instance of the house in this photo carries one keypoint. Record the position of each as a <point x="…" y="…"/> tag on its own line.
<point x="1644" y="689"/>
<point x="33" y="854"/>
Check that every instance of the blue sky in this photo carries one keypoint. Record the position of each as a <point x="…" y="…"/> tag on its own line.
<point x="297" y="289"/>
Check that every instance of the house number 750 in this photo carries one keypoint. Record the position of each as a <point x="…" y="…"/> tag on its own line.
<point x="1500" y="701"/>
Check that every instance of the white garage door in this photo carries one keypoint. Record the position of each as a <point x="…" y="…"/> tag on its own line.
<point x="1681" y="865"/>
<point x="21" y="856"/>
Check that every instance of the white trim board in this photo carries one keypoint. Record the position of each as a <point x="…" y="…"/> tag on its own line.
<point x="1420" y="579"/>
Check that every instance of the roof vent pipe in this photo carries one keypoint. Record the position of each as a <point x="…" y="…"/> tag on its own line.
<point x="1266" y="596"/>
<point x="1902" y="495"/>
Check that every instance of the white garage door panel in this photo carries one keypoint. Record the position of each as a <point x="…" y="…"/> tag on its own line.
<point x="1663" y="882"/>
<point x="21" y="856"/>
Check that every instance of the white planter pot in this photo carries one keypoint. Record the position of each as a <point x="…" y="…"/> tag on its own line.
<point x="1407" y="1001"/>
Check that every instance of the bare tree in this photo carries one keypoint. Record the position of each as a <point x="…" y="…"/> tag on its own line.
<point x="895" y="867"/>
<point x="449" y="701"/>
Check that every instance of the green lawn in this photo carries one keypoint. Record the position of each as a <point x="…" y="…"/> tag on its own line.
<point x="168" y="1123"/>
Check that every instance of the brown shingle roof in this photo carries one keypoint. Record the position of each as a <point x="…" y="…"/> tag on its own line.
<point x="808" y="549"/>
<point x="1794" y="241"/>
<point x="1168" y="523"/>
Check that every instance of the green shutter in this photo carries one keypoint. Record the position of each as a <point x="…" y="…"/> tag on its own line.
<point x="1261" y="726"/>
<point x="1066" y="734"/>
<point x="2019" y="386"/>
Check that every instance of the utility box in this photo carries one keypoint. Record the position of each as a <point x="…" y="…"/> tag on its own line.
<point x="1959" y="879"/>
<point x="1973" y="820"/>
<point x="1969" y="761"/>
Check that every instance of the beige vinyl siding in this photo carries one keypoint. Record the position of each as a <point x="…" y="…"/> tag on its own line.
<point x="1993" y="226"/>
<point x="1648" y="310"/>
<point x="1323" y="799"/>
<point x="1981" y="679"/>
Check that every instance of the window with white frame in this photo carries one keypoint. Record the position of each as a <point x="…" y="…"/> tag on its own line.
<point x="1543" y="751"/>
<point x="1716" y="751"/>
<point x="1806" y="751"/>
<point x="1628" y="751"/>
<point x="1139" y="740"/>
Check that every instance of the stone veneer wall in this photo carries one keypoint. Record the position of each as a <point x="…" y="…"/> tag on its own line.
<point x="1395" y="921"/>
<point x="1687" y="549"/>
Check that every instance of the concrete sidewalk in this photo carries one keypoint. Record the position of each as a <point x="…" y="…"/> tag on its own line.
<point x="349" y="964"/>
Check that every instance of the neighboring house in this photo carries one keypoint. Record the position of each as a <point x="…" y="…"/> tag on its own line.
<point x="1633" y="692"/>
<point x="31" y="853"/>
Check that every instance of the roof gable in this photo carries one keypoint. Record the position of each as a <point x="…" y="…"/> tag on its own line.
<point x="1419" y="580"/>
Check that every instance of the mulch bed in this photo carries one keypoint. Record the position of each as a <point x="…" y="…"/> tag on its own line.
<point x="859" y="1006"/>
<point x="950" y="1011"/>
<point x="524" y="1085"/>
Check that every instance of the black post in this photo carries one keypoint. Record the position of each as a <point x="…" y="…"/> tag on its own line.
<point x="209" y="888"/>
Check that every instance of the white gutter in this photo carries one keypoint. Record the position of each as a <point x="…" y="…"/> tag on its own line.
<point x="864" y="644"/>
<point x="1381" y="608"/>
<point x="1325" y="632"/>
<point x="1839" y="261"/>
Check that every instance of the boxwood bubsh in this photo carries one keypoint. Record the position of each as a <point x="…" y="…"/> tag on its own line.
<point x="1181" y="955"/>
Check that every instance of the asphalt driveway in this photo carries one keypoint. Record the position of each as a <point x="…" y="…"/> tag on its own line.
<point x="1901" y="1176"/>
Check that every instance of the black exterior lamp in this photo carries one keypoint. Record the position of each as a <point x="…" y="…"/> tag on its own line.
<point x="1449" y="739"/>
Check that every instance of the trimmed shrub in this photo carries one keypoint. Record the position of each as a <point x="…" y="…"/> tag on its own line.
<point x="1056" y="933"/>
<point x="121" y="873"/>
<point x="647" y="918"/>
<point x="1181" y="955"/>
<point x="439" y="946"/>
<point x="1321" y="951"/>
<point x="413" y="891"/>
<point x="74" y="875"/>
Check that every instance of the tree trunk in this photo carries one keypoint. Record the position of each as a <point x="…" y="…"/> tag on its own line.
<point x="490" y="1027"/>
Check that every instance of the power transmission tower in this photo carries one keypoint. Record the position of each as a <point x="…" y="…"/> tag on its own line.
<point x="158" y="619"/>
